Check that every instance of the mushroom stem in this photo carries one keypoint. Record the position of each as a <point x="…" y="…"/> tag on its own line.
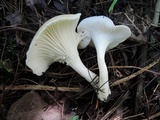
<point x="104" y="89"/>
<point x="79" y="67"/>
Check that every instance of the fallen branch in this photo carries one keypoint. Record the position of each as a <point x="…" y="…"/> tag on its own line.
<point x="40" y="87"/>
<point x="136" y="73"/>
<point x="135" y="67"/>
<point x="153" y="116"/>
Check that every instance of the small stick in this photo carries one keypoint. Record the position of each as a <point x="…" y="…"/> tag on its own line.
<point x="153" y="116"/>
<point x="135" y="67"/>
<point x="40" y="87"/>
<point x="136" y="73"/>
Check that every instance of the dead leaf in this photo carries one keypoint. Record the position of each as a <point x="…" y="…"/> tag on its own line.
<point x="31" y="3"/>
<point x="19" y="38"/>
<point x="60" y="5"/>
<point x="32" y="107"/>
<point x="15" y="18"/>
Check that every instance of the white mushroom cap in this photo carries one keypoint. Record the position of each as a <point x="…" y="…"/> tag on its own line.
<point x="57" y="41"/>
<point x="85" y="41"/>
<point x="101" y="25"/>
<point x="105" y="35"/>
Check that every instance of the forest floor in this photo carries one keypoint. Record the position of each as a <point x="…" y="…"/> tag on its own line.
<point x="134" y="65"/>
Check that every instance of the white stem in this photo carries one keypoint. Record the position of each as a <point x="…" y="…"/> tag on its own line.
<point x="104" y="91"/>
<point x="103" y="71"/>
<point x="79" y="67"/>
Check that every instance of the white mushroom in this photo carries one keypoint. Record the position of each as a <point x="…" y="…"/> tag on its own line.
<point x="57" y="41"/>
<point x="105" y="35"/>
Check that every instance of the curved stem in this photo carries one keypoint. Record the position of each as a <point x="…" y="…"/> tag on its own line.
<point x="79" y="67"/>
<point x="103" y="71"/>
<point x="103" y="75"/>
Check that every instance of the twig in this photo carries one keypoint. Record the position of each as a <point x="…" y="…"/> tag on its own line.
<point x="153" y="116"/>
<point x="40" y="87"/>
<point x="133" y="116"/>
<point x="135" y="67"/>
<point x="116" y="105"/>
<point x="136" y="73"/>
<point x="16" y="28"/>
<point x="132" y="22"/>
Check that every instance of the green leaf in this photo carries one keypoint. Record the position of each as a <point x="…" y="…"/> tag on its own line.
<point x="112" y="6"/>
<point x="76" y="117"/>
<point x="5" y="66"/>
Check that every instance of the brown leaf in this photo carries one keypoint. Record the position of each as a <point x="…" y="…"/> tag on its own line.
<point x="32" y="107"/>
<point x="31" y="3"/>
<point x="15" y="18"/>
<point x="18" y="38"/>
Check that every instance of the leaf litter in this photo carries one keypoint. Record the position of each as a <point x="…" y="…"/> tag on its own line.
<point x="135" y="98"/>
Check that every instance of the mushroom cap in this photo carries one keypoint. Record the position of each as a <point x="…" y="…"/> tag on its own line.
<point x="55" y="41"/>
<point x="102" y="29"/>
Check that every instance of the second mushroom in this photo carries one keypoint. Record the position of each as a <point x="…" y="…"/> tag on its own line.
<point x="104" y="35"/>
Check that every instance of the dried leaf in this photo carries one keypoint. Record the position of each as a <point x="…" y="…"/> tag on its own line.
<point x="32" y="107"/>
<point x="31" y="3"/>
<point x="15" y="18"/>
<point x="59" y="5"/>
<point x="18" y="38"/>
